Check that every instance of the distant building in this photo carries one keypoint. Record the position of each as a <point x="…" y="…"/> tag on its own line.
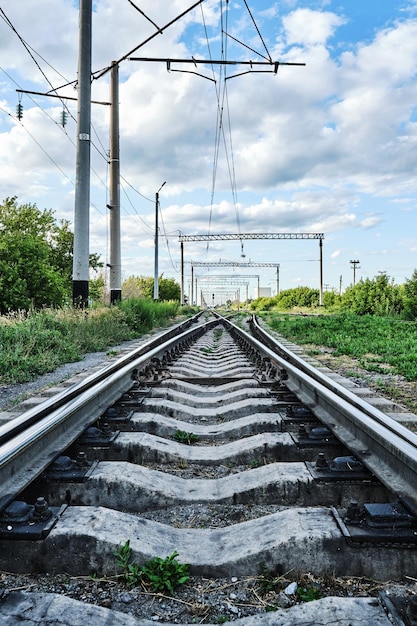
<point x="262" y="292"/>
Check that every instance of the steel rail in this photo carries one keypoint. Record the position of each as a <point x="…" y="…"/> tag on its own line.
<point x="33" y="415"/>
<point x="338" y="389"/>
<point x="41" y="434"/>
<point x="387" y="448"/>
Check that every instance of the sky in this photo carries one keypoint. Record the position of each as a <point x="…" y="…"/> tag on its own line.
<point x="329" y="147"/>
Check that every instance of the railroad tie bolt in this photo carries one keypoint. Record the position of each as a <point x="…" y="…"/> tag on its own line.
<point x="81" y="459"/>
<point x="321" y="463"/>
<point x="302" y="431"/>
<point x="354" y="512"/>
<point x="106" y="430"/>
<point x="41" y="510"/>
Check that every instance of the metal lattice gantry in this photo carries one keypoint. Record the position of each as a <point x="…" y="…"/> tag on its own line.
<point x="232" y="264"/>
<point x="217" y="282"/>
<point x="239" y="237"/>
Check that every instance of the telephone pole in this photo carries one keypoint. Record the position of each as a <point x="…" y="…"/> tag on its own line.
<point x="155" y="274"/>
<point x="354" y="264"/>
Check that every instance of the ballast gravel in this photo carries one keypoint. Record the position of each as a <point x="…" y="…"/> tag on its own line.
<point x="264" y="599"/>
<point x="37" y="609"/>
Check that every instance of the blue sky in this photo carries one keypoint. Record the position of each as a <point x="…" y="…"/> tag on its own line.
<point x="327" y="148"/>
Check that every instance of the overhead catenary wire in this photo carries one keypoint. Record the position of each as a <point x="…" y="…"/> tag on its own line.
<point x="222" y="106"/>
<point x="223" y="127"/>
<point x="54" y="93"/>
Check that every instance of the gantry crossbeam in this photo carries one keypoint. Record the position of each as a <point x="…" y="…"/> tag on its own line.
<point x="235" y="236"/>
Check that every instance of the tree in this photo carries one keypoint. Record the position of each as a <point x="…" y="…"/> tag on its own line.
<point x="142" y="287"/>
<point x="410" y="297"/>
<point x="35" y="257"/>
<point x="378" y="296"/>
<point x="97" y="287"/>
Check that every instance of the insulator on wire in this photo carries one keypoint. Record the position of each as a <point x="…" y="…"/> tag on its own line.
<point x="64" y="119"/>
<point x="19" y="111"/>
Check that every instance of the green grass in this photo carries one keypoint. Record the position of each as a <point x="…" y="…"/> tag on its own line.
<point x="381" y="344"/>
<point x="36" y="342"/>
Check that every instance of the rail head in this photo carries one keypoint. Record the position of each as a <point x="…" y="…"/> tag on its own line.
<point x="386" y="448"/>
<point x="33" y="440"/>
<point x="35" y="414"/>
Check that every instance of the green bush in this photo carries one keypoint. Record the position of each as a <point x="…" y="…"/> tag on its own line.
<point x="35" y="342"/>
<point x="142" y="314"/>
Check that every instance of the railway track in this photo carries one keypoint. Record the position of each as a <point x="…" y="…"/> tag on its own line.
<point x="223" y="446"/>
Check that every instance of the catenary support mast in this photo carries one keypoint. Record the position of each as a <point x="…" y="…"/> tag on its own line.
<point x="114" y="206"/>
<point x="82" y="175"/>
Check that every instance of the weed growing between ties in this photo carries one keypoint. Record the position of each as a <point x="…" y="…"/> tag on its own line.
<point x="164" y="575"/>
<point x="201" y="600"/>
<point x="183" y="437"/>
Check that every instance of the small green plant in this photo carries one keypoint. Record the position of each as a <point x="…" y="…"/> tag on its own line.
<point x="123" y="554"/>
<point x="267" y="581"/>
<point x="132" y="572"/>
<point x="163" y="574"/>
<point x="166" y="574"/>
<point x="222" y="619"/>
<point x="308" y="594"/>
<point x="183" y="437"/>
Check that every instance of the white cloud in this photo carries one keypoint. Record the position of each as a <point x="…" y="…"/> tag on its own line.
<point x="308" y="27"/>
<point x="370" y="222"/>
<point x="314" y="148"/>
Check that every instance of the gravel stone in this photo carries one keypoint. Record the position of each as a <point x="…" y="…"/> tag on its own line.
<point x="257" y="600"/>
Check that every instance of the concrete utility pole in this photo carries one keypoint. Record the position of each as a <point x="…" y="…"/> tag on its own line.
<point x="321" y="273"/>
<point x="155" y="274"/>
<point x="114" y="206"/>
<point x="354" y="264"/>
<point x="81" y="256"/>
<point x="182" y="273"/>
